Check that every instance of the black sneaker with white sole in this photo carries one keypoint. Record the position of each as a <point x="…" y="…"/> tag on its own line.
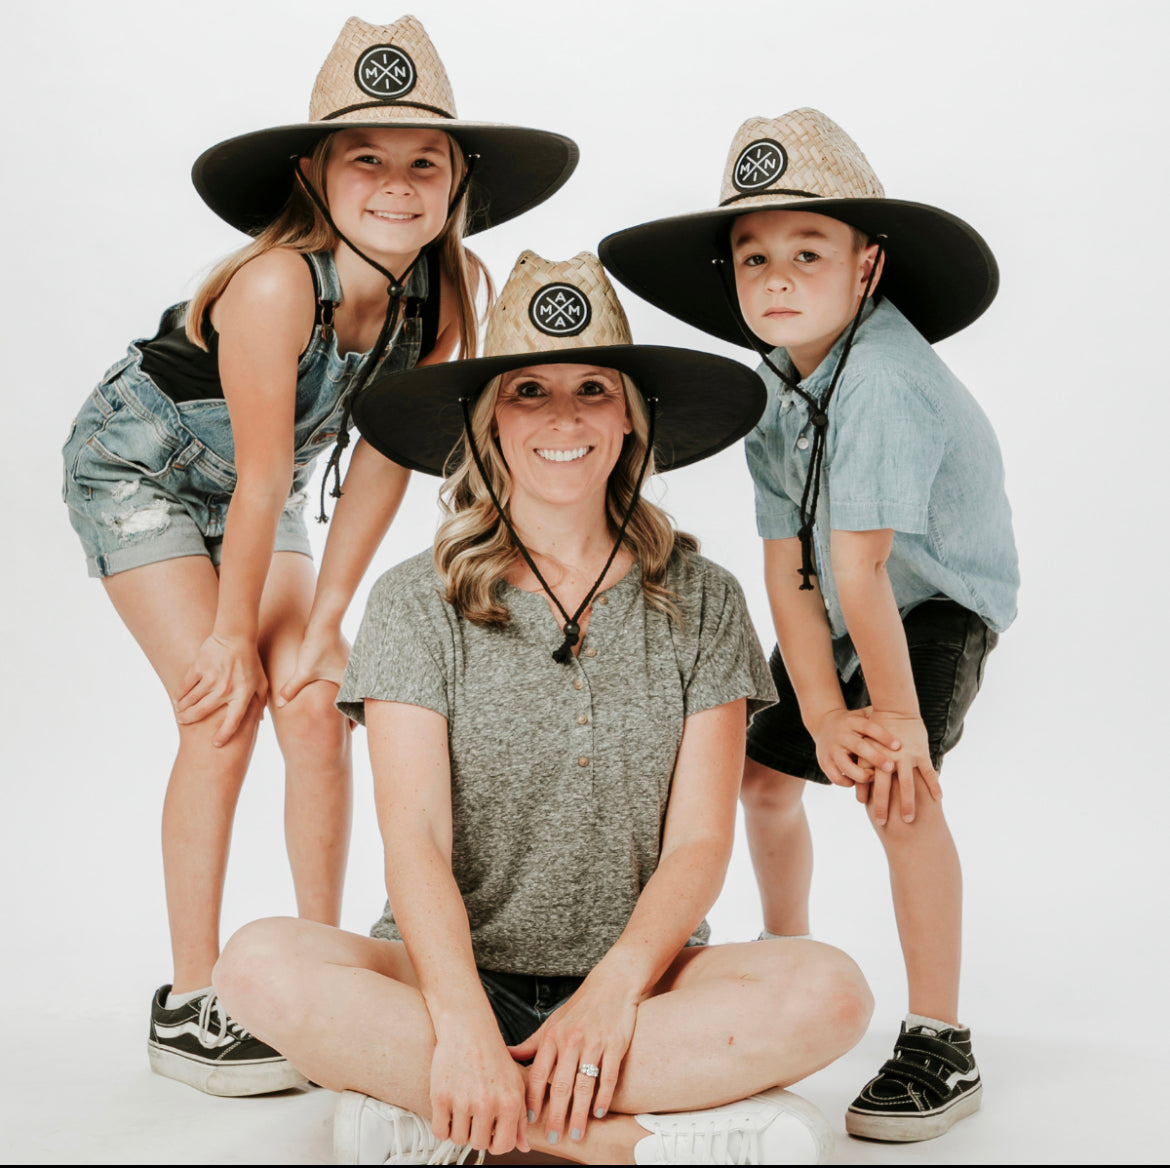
<point x="198" y="1044"/>
<point x="930" y="1083"/>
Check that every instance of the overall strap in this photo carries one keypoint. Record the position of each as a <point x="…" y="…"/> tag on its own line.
<point x="326" y="289"/>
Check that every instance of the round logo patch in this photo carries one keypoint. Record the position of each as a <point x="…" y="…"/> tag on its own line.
<point x="385" y="72"/>
<point x="560" y="310"/>
<point x="759" y="165"/>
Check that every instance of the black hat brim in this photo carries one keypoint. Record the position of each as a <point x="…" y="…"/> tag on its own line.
<point x="939" y="271"/>
<point x="247" y="180"/>
<point x="705" y="403"/>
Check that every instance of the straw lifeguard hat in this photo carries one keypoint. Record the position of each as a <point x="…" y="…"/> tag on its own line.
<point x="383" y="76"/>
<point x="939" y="271"/>
<point x="563" y="313"/>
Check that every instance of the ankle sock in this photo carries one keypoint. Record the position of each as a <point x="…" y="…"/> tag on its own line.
<point x="766" y="936"/>
<point x="174" y="1001"/>
<point x="933" y="1023"/>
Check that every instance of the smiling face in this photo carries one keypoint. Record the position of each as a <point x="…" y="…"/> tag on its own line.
<point x="388" y="189"/>
<point x="800" y="278"/>
<point x="561" y="429"/>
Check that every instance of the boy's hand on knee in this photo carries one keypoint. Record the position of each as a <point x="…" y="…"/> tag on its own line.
<point x="913" y="758"/>
<point x="853" y="747"/>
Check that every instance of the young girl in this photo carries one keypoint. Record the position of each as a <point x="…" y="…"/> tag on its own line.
<point x="185" y="472"/>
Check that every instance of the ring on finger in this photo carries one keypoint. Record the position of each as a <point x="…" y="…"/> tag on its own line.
<point x="590" y="1069"/>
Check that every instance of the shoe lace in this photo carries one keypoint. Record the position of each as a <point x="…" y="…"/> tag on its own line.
<point x="227" y="1026"/>
<point x="449" y="1152"/>
<point x="709" y="1142"/>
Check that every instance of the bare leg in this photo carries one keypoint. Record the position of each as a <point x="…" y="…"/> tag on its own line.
<point x="780" y="844"/>
<point x="315" y="741"/>
<point x="927" y="885"/>
<point x="725" y="1023"/>
<point x="169" y="607"/>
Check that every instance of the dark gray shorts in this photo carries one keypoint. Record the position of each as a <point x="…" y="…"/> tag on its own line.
<point x="948" y="647"/>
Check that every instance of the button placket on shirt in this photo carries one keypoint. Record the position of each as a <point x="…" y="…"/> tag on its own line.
<point x="584" y="740"/>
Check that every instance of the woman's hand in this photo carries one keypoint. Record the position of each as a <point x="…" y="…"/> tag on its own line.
<point x="914" y="756"/>
<point x="224" y="673"/>
<point x="323" y="656"/>
<point x="594" y="1027"/>
<point x="854" y="747"/>
<point x="477" y="1093"/>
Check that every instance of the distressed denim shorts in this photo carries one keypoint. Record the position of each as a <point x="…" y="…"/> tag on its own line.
<point x="948" y="647"/>
<point x="142" y="488"/>
<point x="522" y="1001"/>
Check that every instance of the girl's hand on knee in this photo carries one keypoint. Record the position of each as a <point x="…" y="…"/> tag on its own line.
<point x="322" y="656"/>
<point x="477" y="1094"/>
<point x="852" y="747"/>
<point x="224" y="674"/>
<point x="593" y="1029"/>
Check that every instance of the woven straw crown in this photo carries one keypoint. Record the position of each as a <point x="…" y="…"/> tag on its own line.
<point x="548" y="306"/>
<point x="391" y="72"/>
<point x="775" y="161"/>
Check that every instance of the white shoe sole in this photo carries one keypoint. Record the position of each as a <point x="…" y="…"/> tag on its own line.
<point x="259" y="1078"/>
<point x="904" y="1129"/>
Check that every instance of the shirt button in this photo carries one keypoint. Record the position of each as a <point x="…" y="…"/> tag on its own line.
<point x="591" y="652"/>
<point x="802" y="443"/>
<point x="583" y="761"/>
<point x="582" y="719"/>
<point x="602" y="599"/>
<point x="578" y="683"/>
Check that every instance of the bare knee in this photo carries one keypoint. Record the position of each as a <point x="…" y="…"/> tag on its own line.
<point x="829" y="994"/>
<point x="895" y="832"/>
<point x="311" y="724"/>
<point x="766" y="790"/>
<point x="198" y="738"/>
<point x="252" y="974"/>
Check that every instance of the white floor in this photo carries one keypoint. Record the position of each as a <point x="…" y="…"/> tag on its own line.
<point x="1046" y="1102"/>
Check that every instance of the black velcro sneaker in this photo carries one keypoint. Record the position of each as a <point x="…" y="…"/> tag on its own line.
<point x="930" y="1083"/>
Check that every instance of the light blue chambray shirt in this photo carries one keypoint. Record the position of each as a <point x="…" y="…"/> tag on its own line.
<point x="907" y="448"/>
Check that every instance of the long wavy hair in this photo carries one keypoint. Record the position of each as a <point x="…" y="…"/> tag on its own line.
<point x="301" y="227"/>
<point x="473" y="550"/>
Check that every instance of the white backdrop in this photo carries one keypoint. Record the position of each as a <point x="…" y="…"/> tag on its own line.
<point x="1042" y="124"/>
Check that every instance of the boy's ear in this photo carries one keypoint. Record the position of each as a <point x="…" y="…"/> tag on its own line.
<point x="870" y="253"/>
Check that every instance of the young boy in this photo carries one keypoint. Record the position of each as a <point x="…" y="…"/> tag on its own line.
<point x="888" y="550"/>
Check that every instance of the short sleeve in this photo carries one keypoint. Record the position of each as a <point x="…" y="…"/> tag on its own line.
<point x="728" y="662"/>
<point x="777" y="516"/>
<point x="886" y="443"/>
<point x="398" y="655"/>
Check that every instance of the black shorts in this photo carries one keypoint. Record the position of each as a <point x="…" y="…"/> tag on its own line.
<point x="948" y="648"/>
<point x="522" y="1001"/>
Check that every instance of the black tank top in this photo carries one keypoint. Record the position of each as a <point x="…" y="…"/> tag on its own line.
<point x="185" y="372"/>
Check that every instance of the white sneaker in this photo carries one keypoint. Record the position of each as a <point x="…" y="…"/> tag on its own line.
<point x="368" y="1131"/>
<point x="774" y="1127"/>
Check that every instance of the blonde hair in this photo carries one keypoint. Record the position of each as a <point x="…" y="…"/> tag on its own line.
<point x="302" y="227"/>
<point x="473" y="550"/>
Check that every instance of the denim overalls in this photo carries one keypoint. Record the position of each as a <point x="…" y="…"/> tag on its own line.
<point x="149" y="479"/>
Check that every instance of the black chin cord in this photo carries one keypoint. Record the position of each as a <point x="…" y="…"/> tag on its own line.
<point x="818" y="411"/>
<point x="571" y="628"/>
<point x="396" y="286"/>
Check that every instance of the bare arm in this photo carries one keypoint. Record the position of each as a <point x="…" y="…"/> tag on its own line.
<point x="848" y="743"/>
<point x="263" y="318"/>
<point x="875" y="626"/>
<point x="371" y="495"/>
<point x="476" y="1088"/>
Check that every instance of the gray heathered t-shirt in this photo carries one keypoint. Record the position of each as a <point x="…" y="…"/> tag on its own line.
<point x="560" y="774"/>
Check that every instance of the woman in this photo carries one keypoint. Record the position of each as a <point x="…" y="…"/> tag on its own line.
<point x="185" y="471"/>
<point x="556" y="703"/>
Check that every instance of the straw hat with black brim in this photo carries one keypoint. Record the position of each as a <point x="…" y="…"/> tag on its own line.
<point x="556" y="314"/>
<point x="939" y="271"/>
<point x="384" y="77"/>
